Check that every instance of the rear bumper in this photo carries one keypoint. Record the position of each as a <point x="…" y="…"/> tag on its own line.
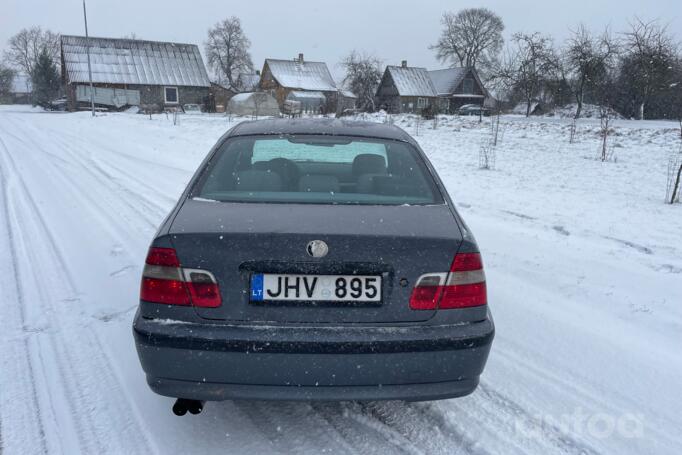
<point x="222" y="362"/>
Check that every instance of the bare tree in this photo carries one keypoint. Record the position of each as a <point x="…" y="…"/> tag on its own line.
<point x="674" y="182"/>
<point x="25" y="48"/>
<point x="527" y="66"/>
<point x="650" y="51"/>
<point x="363" y="75"/>
<point x="605" y="130"/>
<point x="227" y="50"/>
<point x="469" y="38"/>
<point x="588" y="59"/>
<point x="676" y="94"/>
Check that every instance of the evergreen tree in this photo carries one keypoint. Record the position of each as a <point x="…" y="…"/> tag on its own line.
<point x="6" y="79"/>
<point x="45" y="80"/>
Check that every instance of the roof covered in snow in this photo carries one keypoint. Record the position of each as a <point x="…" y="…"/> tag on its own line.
<point x="21" y="83"/>
<point x="446" y="81"/>
<point x="126" y="61"/>
<point x="302" y="75"/>
<point x="411" y="81"/>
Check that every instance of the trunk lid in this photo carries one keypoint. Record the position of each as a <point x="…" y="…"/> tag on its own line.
<point x="236" y="240"/>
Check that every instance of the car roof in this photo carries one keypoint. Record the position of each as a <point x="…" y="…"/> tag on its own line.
<point x="321" y="126"/>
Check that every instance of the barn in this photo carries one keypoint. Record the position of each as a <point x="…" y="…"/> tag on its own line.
<point x="309" y="81"/>
<point x="456" y="87"/>
<point x="125" y="72"/>
<point x="405" y="89"/>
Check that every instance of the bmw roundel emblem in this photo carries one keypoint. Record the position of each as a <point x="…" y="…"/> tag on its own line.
<point x="317" y="249"/>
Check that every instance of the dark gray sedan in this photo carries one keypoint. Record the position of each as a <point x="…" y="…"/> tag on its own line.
<point x="313" y="260"/>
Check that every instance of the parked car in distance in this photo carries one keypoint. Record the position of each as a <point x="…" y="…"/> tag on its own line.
<point x="60" y="104"/>
<point x="316" y="259"/>
<point x="473" y="109"/>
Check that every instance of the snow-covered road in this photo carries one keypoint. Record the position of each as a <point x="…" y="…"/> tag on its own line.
<point x="584" y="267"/>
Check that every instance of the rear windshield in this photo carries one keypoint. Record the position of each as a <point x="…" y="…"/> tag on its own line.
<point x="317" y="169"/>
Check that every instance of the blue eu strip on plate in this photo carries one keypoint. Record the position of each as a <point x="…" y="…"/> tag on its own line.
<point x="257" y="287"/>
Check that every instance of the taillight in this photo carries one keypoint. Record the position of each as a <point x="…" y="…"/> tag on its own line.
<point x="426" y="293"/>
<point x="462" y="287"/>
<point x="465" y="285"/>
<point x="164" y="281"/>
<point x="203" y="288"/>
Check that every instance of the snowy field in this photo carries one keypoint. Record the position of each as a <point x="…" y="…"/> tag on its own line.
<point x="584" y="268"/>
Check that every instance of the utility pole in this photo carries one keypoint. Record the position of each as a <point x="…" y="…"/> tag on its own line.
<point x="87" y="47"/>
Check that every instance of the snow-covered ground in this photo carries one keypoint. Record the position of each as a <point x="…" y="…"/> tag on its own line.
<point x="584" y="268"/>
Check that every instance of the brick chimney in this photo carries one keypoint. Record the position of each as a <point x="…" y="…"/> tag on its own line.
<point x="403" y="63"/>
<point x="300" y="58"/>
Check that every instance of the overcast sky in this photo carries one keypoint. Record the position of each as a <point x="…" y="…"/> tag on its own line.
<point x="324" y="30"/>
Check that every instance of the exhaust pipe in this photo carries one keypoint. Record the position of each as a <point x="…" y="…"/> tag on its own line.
<point x="183" y="405"/>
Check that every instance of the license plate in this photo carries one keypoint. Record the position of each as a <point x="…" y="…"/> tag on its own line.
<point x="323" y="288"/>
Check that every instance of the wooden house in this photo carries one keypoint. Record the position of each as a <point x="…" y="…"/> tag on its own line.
<point x="456" y="87"/>
<point x="405" y="89"/>
<point x="298" y="79"/>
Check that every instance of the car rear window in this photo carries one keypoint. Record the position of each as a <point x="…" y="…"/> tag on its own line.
<point x="317" y="169"/>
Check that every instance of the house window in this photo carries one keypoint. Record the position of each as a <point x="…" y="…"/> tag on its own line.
<point x="421" y="102"/>
<point x="171" y="95"/>
<point x="468" y="86"/>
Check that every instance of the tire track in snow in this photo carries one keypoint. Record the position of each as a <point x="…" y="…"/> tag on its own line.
<point x="367" y="434"/>
<point x="72" y="399"/>
<point x="134" y="159"/>
<point x="418" y="423"/>
<point x="299" y="427"/>
<point x="77" y="146"/>
<point x="116" y="213"/>
<point x="29" y="411"/>
<point x="100" y="179"/>
<point x="558" y="381"/>
<point x="491" y="414"/>
<point x="80" y="386"/>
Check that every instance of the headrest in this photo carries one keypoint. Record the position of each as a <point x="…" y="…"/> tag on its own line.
<point x="367" y="163"/>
